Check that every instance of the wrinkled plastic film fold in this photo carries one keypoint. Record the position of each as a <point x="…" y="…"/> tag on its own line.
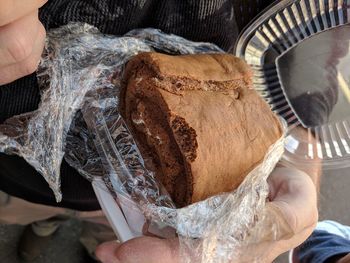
<point x="77" y="59"/>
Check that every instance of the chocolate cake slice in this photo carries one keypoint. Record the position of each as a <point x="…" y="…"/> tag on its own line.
<point x="197" y="121"/>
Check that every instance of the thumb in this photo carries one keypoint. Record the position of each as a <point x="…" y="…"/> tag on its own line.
<point x="105" y="252"/>
<point x="295" y="198"/>
<point x="294" y="203"/>
<point x="140" y="250"/>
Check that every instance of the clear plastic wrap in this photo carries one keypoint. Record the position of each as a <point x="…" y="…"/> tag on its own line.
<point x="77" y="59"/>
<point x="78" y="117"/>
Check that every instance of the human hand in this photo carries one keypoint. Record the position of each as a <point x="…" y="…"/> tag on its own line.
<point x="293" y="208"/>
<point x="22" y="38"/>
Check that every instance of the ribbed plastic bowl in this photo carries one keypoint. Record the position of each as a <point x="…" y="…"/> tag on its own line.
<point x="299" y="51"/>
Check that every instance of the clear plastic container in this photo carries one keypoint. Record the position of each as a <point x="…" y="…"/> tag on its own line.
<point x="299" y="51"/>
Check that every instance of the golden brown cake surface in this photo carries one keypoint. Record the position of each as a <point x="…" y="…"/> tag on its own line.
<point x="197" y="120"/>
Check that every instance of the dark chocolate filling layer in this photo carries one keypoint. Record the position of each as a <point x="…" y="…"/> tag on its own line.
<point x="165" y="140"/>
<point x="151" y="125"/>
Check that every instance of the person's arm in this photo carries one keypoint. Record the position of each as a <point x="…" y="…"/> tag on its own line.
<point x="22" y="38"/>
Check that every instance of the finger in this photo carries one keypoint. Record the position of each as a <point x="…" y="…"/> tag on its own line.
<point x="314" y="168"/>
<point x="149" y="250"/>
<point x="345" y="259"/>
<point x="105" y="252"/>
<point x="268" y="251"/>
<point x="17" y="39"/>
<point x="292" y="213"/>
<point x="146" y="250"/>
<point x="288" y="219"/>
<point x="27" y="66"/>
<point x="285" y="245"/>
<point x="273" y="250"/>
<point x="12" y="10"/>
<point x="295" y="196"/>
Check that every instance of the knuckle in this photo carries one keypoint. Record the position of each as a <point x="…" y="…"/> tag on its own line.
<point x="19" y="48"/>
<point x="29" y="66"/>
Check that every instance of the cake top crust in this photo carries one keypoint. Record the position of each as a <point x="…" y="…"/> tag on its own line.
<point x="212" y="71"/>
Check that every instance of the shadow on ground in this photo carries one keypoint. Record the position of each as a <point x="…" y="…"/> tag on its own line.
<point x="63" y="248"/>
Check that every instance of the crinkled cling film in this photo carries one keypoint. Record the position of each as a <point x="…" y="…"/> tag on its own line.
<point x="78" y="119"/>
